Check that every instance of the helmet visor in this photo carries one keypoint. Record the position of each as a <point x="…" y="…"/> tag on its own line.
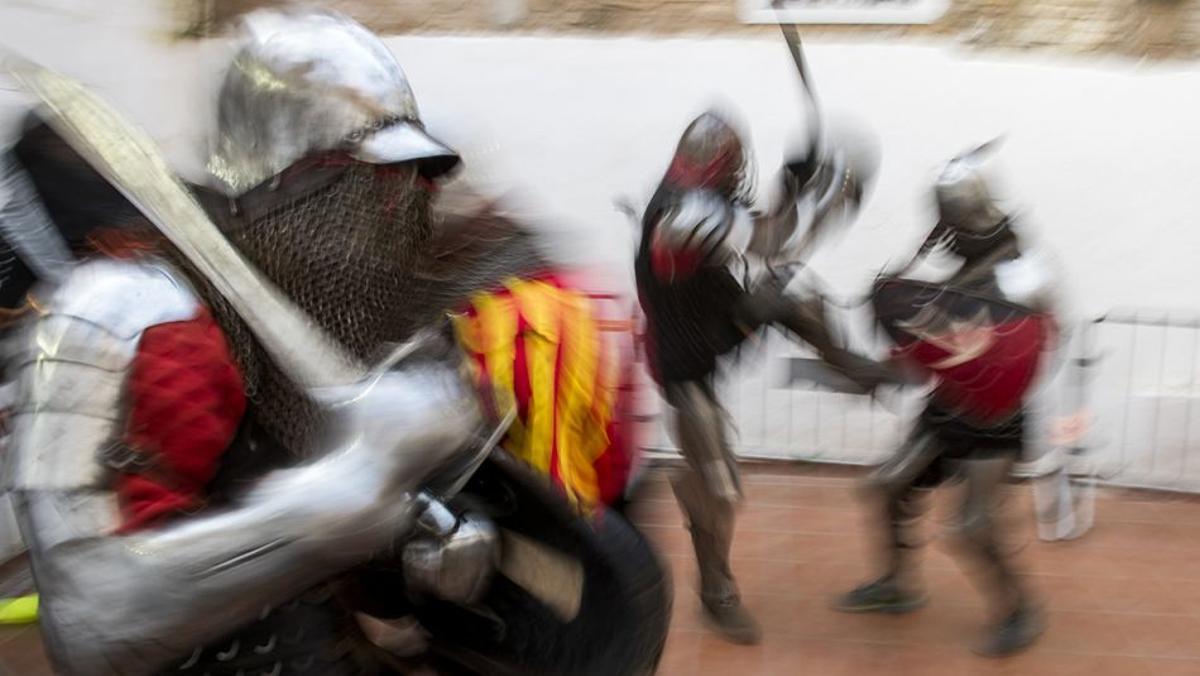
<point x="406" y="141"/>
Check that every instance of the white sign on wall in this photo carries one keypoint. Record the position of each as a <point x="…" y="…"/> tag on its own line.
<point x="842" y="11"/>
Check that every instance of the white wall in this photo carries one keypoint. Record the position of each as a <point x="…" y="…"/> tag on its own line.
<point x="123" y="49"/>
<point x="1100" y="155"/>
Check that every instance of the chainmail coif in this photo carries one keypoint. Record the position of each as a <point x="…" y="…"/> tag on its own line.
<point x="343" y="241"/>
<point x="353" y="245"/>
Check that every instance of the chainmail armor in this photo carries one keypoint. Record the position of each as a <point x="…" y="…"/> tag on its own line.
<point x="354" y="246"/>
<point x="343" y="241"/>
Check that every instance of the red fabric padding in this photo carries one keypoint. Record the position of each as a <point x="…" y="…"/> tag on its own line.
<point x="186" y="400"/>
<point x="615" y="464"/>
<point x="993" y="385"/>
<point x="686" y="172"/>
<point x="670" y="264"/>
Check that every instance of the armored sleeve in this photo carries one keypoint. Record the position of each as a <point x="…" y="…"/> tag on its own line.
<point x="116" y="601"/>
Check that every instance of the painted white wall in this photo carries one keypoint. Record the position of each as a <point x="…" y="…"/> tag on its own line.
<point x="1099" y="155"/>
<point x="124" y="50"/>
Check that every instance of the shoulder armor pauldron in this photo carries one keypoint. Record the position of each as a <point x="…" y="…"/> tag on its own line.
<point x="73" y="361"/>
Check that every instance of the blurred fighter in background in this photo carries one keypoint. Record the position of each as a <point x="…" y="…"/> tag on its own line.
<point x="980" y="335"/>
<point x="706" y="281"/>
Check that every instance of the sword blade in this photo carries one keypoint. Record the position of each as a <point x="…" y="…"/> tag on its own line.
<point x="791" y="36"/>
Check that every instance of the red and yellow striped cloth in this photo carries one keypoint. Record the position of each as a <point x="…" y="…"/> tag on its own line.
<point x="542" y="347"/>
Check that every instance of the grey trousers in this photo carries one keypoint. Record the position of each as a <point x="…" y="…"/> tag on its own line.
<point x="708" y="488"/>
<point x="902" y="485"/>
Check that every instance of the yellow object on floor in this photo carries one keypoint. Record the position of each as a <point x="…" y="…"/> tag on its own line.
<point x="20" y="610"/>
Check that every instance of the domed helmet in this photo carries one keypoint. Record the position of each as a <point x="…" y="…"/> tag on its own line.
<point x="710" y="156"/>
<point x="311" y="81"/>
<point x="964" y="200"/>
<point x="324" y="164"/>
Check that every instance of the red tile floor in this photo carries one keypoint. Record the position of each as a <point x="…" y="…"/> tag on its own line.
<point x="1124" y="599"/>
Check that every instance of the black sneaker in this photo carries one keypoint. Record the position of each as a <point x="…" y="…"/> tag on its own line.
<point x="880" y="596"/>
<point x="731" y="619"/>
<point x="1014" y="633"/>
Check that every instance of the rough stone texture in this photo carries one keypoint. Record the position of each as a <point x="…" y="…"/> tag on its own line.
<point x="1159" y="29"/>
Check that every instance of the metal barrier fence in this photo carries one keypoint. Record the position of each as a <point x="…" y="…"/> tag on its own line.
<point x="1142" y="394"/>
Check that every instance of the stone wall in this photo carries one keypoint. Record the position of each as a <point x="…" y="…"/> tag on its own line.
<point x="1157" y="29"/>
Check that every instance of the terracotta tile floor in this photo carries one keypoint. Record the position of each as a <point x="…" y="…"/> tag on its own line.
<point x="1125" y="599"/>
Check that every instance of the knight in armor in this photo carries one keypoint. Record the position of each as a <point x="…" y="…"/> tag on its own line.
<point x="705" y="287"/>
<point x="951" y="442"/>
<point x="183" y="510"/>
